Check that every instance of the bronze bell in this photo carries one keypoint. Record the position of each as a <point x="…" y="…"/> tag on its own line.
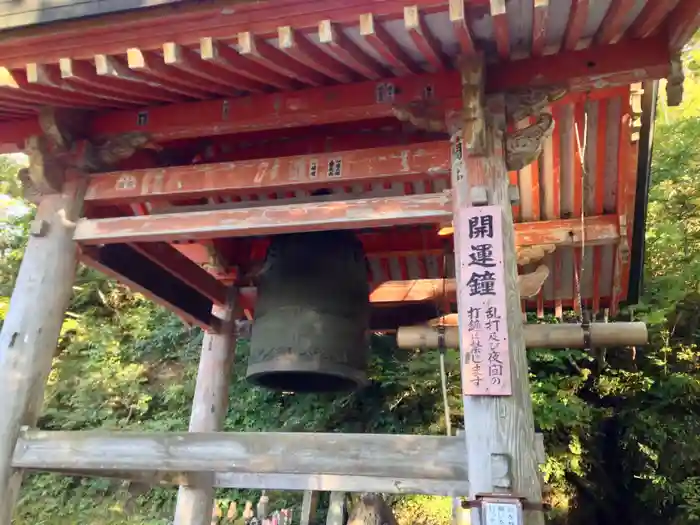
<point x="311" y="315"/>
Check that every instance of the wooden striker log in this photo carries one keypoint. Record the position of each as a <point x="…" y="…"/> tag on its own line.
<point x="536" y="335"/>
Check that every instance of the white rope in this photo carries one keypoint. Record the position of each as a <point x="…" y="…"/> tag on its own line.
<point x="582" y="146"/>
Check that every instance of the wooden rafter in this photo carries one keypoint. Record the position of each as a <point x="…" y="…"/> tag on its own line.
<point x="300" y="48"/>
<point x="385" y="45"/>
<point x="500" y="27"/>
<point x="575" y="24"/>
<point x="261" y="52"/>
<point x="540" y="12"/>
<point x="345" y="50"/>
<point x="613" y="25"/>
<point x="460" y="26"/>
<point x="423" y="38"/>
<point x="650" y="18"/>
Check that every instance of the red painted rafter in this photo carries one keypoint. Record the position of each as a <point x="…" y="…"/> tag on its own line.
<point x="150" y="65"/>
<point x="46" y="80"/>
<point x="424" y="40"/>
<point x="575" y="24"/>
<point x="177" y="264"/>
<point x="345" y="50"/>
<point x="500" y="28"/>
<point x="460" y="26"/>
<point x="613" y="25"/>
<point x="145" y="32"/>
<point x="187" y="60"/>
<point x="90" y="256"/>
<point x="651" y="17"/>
<point x="540" y="11"/>
<point x="298" y="47"/>
<point x="266" y="55"/>
<point x="224" y="56"/>
<point x="114" y="68"/>
<point x="16" y="90"/>
<point x="385" y="45"/>
<point x="272" y="174"/>
<point x="84" y="75"/>
<point x="683" y="21"/>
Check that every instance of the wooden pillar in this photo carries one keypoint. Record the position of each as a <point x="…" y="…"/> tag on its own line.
<point x="336" y="509"/>
<point x="499" y="426"/>
<point x="32" y="326"/>
<point x="308" y="507"/>
<point x="209" y="407"/>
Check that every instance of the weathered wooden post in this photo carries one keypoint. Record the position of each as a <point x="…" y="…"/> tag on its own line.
<point x="33" y="322"/>
<point x="209" y="408"/>
<point x="499" y="427"/>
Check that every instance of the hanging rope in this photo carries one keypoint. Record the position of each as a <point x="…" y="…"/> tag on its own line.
<point x="582" y="146"/>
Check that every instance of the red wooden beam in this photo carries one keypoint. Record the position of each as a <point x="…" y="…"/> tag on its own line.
<point x="423" y="38"/>
<point x="267" y="220"/>
<point x="385" y="45"/>
<point x="650" y="18"/>
<point x="595" y="67"/>
<point x="272" y="174"/>
<point x="500" y="28"/>
<point x="613" y="25"/>
<point x="575" y="24"/>
<point x="151" y="65"/>
<point x="298" y="47"/>
<point x="189" y="61"/>
<point x="225" y="57"/>
<point x="268" y="56"/>
<point x="460" y="26"/>
<point x="184" y="269"/>
<point x="345" y="50"/>
<point x="540" y="12"/>
<point x="683" y="21"/>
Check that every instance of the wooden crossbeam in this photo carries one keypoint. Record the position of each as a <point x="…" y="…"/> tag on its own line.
<point x="262" y="459"/>
<point x="423" y="38"/>
<point x="300" y="172"/>
<point x="384" y="44"/>
<point x="266" y="220"/>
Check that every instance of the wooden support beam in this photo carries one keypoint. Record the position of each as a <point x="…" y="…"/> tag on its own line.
<point x="650" y="18"/>
<point x="264" y="54"/>
<point x="612" y="28"/>
<point x="385" y="45"/>
<point x="85" y="75"/>
<point x="46" y="81"/>
<point x="126" y="265"/>
<point x="540" y="13"/>
<point x="209" y="408"/>
<point x="184" y="269"/>
<point x="500" y="27"/>
<point x="302" y="172"/>
<point x="151" y="65"/>
<point x="113" y="68"/>
<point x="682" y="23"/>
<point x="536" y="335"/>
<point x="336" y="509"/>
<point x="189" y="61"/>
<point x="576" y="24"/>
<point x="460" y="27"/>
<point x="308" y="507"/>
<point x="300" y="48"/>
<point x="499" y="429"/>
<point x="230" y="59"/>
<point x="313" y="216"/>
<point x="348" y="52"/>
<point x="32" y="326"/>
<point x="429" y="46"/>
<point x="383" y="457"/>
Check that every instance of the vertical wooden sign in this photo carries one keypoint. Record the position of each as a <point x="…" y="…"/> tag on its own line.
<point x="482" y="296"/>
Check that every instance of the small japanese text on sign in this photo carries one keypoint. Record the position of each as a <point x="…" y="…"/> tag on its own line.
<point x="482" y="296"/>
